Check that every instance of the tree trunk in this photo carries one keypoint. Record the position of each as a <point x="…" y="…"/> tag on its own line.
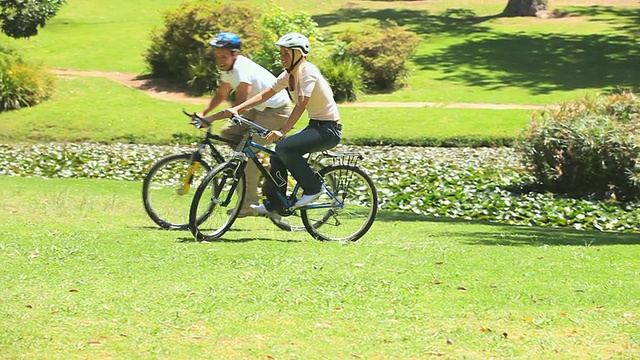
<point x="524" y="7"/>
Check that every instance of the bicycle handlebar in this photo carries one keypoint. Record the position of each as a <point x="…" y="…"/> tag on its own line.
<point x="197" y="120"/>
<point x="260" y="130"/>
<point x="239" y="120"/>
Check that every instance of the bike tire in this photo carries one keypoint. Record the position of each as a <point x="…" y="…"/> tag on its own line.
<point x="163" y="202"/>
<point x="209" y="217"/>
<point x="349" y="223"/>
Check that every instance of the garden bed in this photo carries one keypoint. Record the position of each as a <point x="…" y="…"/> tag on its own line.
<point x="474" y="184"/>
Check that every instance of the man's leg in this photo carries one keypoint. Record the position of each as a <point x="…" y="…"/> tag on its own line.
<point x="273" y="119"/>
<point x="236" y="132"/>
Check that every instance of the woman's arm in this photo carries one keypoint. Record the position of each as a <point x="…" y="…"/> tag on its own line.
<point x="295" y="115"/>
<point x="297" y="112"/>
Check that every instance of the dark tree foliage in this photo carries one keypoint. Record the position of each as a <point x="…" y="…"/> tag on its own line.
<point x="23" y="18"/>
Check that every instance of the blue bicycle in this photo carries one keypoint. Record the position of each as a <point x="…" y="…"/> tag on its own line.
<point x="345" y="211"/>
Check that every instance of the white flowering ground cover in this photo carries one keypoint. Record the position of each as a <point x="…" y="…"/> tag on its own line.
<point x="436" y="182"/>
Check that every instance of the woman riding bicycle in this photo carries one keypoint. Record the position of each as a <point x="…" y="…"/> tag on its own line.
<point x="310" y="91"/>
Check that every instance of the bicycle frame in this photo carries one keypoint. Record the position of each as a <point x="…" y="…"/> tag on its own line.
<point x="248" y="152"/>
<point x="196" y="156"/>
<point x="345" y="210"/>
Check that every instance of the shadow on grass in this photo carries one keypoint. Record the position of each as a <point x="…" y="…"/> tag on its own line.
<point x="237" y="241"/>
<point x="543" y="63"/>
<point x="624" y="19"/>
<point x="225" y="238"/>
<point x="453" y="22"/>
<point x="190" y="239"/>
<point x="512" y="235"/>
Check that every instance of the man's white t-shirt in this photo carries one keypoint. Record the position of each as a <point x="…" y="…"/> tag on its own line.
<point x="309" y="82"/>
<point x="247" y="71"/>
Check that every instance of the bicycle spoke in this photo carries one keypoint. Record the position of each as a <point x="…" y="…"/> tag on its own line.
<point x="164" y="194"/>
<point x="352" y="217"/>
<point x="216" y="204"/>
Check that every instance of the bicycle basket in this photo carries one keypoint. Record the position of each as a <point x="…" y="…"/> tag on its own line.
<point x="349" y="158"/>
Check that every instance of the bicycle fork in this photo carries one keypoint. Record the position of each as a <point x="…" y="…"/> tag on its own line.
<point x="234" y="173"/>
<point x="196" y="158"/>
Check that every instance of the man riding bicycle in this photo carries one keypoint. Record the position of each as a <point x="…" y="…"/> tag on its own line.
<point x="246" y="79"/>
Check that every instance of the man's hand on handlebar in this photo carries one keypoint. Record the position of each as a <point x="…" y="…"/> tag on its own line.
<point x="198" y="122"/>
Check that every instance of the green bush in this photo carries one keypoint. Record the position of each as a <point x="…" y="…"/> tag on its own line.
<point x="22" y="84"/>
<point x="590" y="147"/>
<point x="180" y="50"/>
<point x="345" y="78"/>
<point x="274" y="23"/>
<point x="383" y="51"/>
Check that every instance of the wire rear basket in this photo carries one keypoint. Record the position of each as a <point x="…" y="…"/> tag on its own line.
<point x="349" y="158"/>
<point x="341" y="180"/>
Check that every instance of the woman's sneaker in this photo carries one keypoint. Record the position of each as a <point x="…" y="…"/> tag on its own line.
<point x="307" y="199"/>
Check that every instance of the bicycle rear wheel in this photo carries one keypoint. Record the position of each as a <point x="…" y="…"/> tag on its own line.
<point x="165" y="197"/>
<point x="217" y="202"/>
<point x="353" y="217"/>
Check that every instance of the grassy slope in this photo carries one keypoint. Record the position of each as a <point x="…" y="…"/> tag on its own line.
<point x="122" y="114"/>
<point x="510" y="60"/>
<point x="504" y="60"/>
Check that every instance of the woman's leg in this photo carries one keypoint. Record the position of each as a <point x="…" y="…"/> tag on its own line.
<point x="278" y="172"/>
<point x="291" y="150"/>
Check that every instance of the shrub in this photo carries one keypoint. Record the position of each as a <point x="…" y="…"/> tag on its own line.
<point x="345" y="78"/>
<point x="274" y="23"/>
<point x="180" y="50"/>
<point x="22" y="84"/>
<point x="383" y="51"/>
<point x="587" y="147"/>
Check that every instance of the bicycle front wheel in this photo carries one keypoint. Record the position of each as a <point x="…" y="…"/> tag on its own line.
<point x="168" y="188"/>
<point x="217" y="202"/>
<point x="351" y="216"/>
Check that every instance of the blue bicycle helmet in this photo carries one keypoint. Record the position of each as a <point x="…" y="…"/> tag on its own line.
<point x="227" y="40"/>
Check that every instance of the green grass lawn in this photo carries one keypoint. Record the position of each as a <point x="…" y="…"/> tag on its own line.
<point x="461" y="59"/>
<point x="125" y="115"/>
<point x="477" y="59"/>
<point x="87" y="275"/>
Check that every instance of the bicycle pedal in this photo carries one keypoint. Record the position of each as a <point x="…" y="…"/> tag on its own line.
<point x="286" y="212"/>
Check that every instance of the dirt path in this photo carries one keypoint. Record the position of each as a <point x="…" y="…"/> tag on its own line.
<point x="163" y="89"/>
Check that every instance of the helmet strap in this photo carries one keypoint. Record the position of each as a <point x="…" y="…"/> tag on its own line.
<point x="294" y="63"/>
<point x="234" y="53"/>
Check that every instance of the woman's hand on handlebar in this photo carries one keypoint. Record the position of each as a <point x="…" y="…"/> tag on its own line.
<point x="230" y="112"/>
<point x="273" y="136"/>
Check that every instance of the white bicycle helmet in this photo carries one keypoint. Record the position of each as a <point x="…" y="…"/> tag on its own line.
<point x="295" y="41"/>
